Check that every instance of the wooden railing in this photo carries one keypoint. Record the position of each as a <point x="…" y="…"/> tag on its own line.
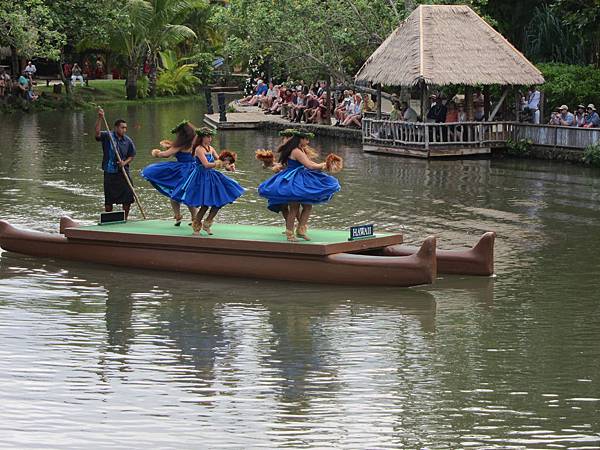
<point x="473" y="134"/>
<point x="426" y="135"/>
<point x="557" y="136"/>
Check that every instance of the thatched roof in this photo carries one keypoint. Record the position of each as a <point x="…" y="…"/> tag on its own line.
<point x="447" y="44"/>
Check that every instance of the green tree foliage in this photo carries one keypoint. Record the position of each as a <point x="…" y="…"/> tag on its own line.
<point x="570" y="84"/>
<point x="176" y="75"/>
<point x="78" y="20"/>
<point x="549" y="38"/>
<point x="165" y="32"/>
<point x="309" y="36"/>
<point x="28" y="29"/>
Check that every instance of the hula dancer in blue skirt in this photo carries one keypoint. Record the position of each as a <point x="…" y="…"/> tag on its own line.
<point x="206" y="187"/>
<point x="166" y="176"/>
<point x="300" y="185"/>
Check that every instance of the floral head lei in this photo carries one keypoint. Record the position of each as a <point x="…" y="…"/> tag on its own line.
<point x="301" y="133"/>
<point x="179" y="126"/>
<point x="205" y="131"/>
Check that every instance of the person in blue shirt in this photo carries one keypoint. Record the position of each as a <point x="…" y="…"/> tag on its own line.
<point x="565" y="118"/>
<point x="592" y="120"/>
<point x="116" y="189"/>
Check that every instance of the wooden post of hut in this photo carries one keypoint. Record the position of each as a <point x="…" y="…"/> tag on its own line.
<point x="469" y="103"/>
<point x="379" y="102"/>
<point x="486" y="102"/>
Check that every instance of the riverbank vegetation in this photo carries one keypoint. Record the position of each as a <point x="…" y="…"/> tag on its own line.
<point x="170" y="47"/>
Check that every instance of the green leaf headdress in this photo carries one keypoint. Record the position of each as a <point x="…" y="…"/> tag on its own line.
<point x="179" y="126"/>
<point x="205" y="131"/>
<point x="300" y="132"/>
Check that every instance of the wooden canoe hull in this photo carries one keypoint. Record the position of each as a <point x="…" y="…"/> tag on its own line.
<point x="341" y="268"/>
<point x="478" y="260"/>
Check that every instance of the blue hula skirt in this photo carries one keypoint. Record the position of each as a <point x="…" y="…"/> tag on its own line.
<point x="297" y="184"/>
<point x="166" y="176"/>
<point x="207" y="187"/>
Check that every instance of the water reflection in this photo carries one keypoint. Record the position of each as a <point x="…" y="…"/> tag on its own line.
<point x="149" y="359"/>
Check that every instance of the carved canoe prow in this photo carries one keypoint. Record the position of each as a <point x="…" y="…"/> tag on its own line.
<point x="478" y="260"/>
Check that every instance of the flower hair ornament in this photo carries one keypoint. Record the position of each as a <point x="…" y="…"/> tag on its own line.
<point x="205" y="131"/>
<point x="179" y="126"/>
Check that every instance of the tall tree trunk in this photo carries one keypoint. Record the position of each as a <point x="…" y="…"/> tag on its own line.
<point x="14" y="61"/>
<point x="61" y="73"/>
<point x="152" y="74"/>
<point x="132" y="78"/>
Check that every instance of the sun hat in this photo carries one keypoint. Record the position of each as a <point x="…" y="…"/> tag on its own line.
<point x="563" y="107"/>
<point x="592" y="107"/>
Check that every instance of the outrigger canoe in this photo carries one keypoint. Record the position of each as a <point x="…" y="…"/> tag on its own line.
<point x="234" y="250"/>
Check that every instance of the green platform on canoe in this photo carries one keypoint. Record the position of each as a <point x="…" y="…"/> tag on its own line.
<point x="259" y="237"/>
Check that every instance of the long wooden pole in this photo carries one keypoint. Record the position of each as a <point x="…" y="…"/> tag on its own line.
<point x="123" y="171"/>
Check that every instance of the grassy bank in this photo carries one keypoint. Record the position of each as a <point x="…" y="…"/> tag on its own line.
<point x="99" y="92"/>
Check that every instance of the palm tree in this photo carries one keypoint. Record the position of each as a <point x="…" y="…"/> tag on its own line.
<point x="130" y="39"/>
<point x="164" y="31"/>
<point x="148" y="30"/>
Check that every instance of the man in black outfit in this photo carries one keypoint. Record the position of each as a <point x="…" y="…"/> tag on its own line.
<point x="116" y="189"/>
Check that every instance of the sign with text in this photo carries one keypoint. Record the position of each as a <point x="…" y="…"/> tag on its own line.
<point x="361" y="232"/>
<point x="112" y="217"/>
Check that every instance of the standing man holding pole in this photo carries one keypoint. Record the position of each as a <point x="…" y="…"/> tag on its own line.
<point x="115" y="164"/>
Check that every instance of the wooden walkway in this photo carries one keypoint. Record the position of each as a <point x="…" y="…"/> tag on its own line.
<point x="253" y="118"/>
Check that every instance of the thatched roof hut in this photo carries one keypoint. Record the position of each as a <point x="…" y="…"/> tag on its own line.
<point x="447" y="44"/>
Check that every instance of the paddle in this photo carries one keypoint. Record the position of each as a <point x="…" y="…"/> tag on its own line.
<point x="113" y="144"/>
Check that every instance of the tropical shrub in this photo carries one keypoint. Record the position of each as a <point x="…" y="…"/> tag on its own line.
<point x="142" y="87"/>
<point x="570" y="85"/>
<point x="591" y="155"/>
<point x="520" y="148"/>
<point x="175" y="76"/>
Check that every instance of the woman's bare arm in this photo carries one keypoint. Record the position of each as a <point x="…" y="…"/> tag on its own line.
<point x="301" y="157"/>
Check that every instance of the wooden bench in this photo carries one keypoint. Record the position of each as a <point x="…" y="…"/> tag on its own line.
<point x="49" y="78"/>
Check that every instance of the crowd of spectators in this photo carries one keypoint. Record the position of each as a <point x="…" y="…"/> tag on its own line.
<point x="584" y="117"/>
<point x="302" y="103"/>
<point x="21" y="87"/>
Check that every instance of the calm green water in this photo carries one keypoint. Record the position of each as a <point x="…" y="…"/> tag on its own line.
<point x="97" y="357"/>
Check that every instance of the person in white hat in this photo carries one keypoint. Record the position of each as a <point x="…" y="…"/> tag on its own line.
<point x="566" y="119"/>
<point x="592" y="120"/>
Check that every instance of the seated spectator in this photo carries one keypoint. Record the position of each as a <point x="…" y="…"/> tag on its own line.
<point x="4" y="83"/>
<point x="76" y="75"/>
<point x="283" y="97"/>
<point x="99" y="69"/>
<point x="288" y="102"/>
<point x="452" y="114"/>
<point x="478" y="104"/>
<point x="30" y="70"/>
<point x="267" y="100"/>
<point x="368" y="103"/>
<point x="554" y="120"/>
<point x="565" y="118"/>
<point x="462" y="114"/>
<point x="340" y="110"/>
<point x="580" y="116"/>
<point x="437" y="112"/>
<point x="23" y="86"/>
<point x="395" y="113"/>
<point x="67" y="68"/>
<point x="31" y="95"/>
<point x="260" y="90"/>
<point x="298" y="107"/>
<point x="592" y="119"/>
<point x="409" y="114"/>
<point x="313" y="111"/>
<point x="354" y="116"/>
